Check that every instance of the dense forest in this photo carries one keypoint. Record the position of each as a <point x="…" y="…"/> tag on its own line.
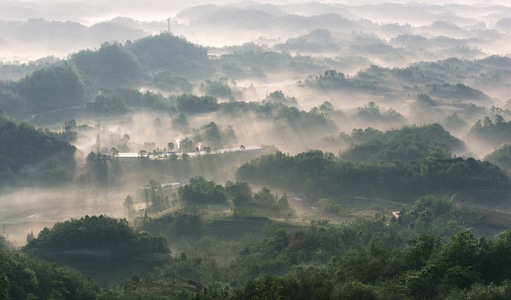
<point x="322" y="174"/>
<point x="363" y="260"/>
<point x="30" y="156"/>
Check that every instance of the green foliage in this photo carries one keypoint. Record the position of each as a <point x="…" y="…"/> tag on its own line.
<point x="108" y="236"/>
<point x="372" y="79"/>
<point x="408" y="143"/>
<point x="318" y="40"/>
<point x="258" y="60"/>
<point x="457" y="92"/>
<point x="283" y="204"/>
<point x="168" y="82"/>
<point x="314" y="245"/>
<point x="71" y="83"/>
<point x="201" y="191"/>
<point x="426" y="268"/>
<point x="186" y="145"/>
<point x="372" y="113"/>
<point x="155" y="194"/>
<point x="317" y="173"/>
<point x="3" y="243"/>
<point x="108" y="105"/>
<point x="109" y="67"/>
<point x="97" y="244"/>
<point x="51" y="88"/>
<point x="101" y="170"/>
<point x="23" y="277"/>
<point x="239" y="192"/>
<point x="438" y="206"/>
<point x="4" y="287"/>
<point x="361" y="260"/>
<point x="267" y="288"/>
<point x="453" y="121"/>
<point x="265" y="197"/>
<point x="195" y="104"/>
<point x="329" y="80"/>
<point x="217" y="88"/>
<point x="211" y="135"/>
<point x="286" y="119"/>
<point x="358" y="260"/>
<point x="180" y="121"/>
<point x="174" y="226"/>
<point x="11" y="102"/>
<point x="26" y="153"/>
<point x="357" y="290"/>
<point x="147" y="100"/>
<point x="434" y="78"/>
<point x="494" y="133"/>
<point x="482" y="292"/>
<point x="501" y="157"/>
<point x="279" y="97"/>
<point x="129" y="206"/>
<point x="173" y="54"/>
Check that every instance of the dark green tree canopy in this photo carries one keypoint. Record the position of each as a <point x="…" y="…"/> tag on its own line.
<point x="28" y="152"/>
<point x="408" y="144"/>
<point x="201" y="191"/>
<point x="92" y="233"/>
<point x="171" y="53"/>
<point x="501" y="157"/>
<point x="319" y="173"/>
<point x="110" y="66"/>
<point x="51" y="88"/>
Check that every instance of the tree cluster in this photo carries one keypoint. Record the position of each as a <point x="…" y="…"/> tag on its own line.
<point x="501" y="157"/>
<point x="410" y="143"/>
<point x="30" y="154"/>
<point x="111" y="237"/>
<point x="494" y="133"/>
<point x="202" y="191"/>
<point x="24" y="277"/>
<point x="318" y="173"/>
<point x="462" y="268"/>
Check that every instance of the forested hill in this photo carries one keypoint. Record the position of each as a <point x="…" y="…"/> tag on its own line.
<point x="30" y="154"/>
<point x="322" y="174"/>
<point x="406" y="144"/>
<point x="101" y="241"/>
<point x="24" y="277"/>
<point x="77" y="80"/>
<point x="58" y="86"/>
<point x="141" y="61"/>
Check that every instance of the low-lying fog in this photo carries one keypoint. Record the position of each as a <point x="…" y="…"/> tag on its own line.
<point x="31" y="209"/>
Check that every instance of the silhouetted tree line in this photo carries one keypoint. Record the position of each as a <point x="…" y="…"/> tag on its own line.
<point x="77" y="80"/>
<point x="410" y="143"/>
<point x="501" y="157"/>
<point x="101" y="170"/>
<point x="323" y="174"/>
<point x="30" y="155"/>
<point x="112" y="238"/>
<point x="284" y="116"/>
<point x="495" y="132"/>
<point x="24" y="277"/>
<point x="463" y="268"/>
<point x="421" y="78"/>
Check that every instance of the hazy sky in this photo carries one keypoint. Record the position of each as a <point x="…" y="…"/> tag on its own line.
<point x="99" y="10"/>
<point x="49" y="40"/>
